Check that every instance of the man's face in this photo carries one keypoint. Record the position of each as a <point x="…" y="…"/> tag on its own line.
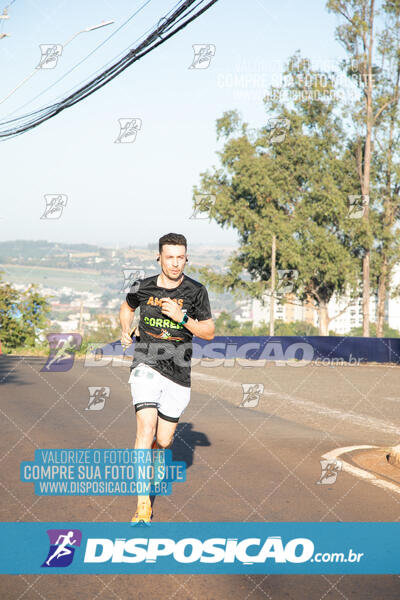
<point x="173" y="260"/>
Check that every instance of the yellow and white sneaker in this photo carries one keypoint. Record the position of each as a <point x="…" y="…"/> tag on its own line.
<point x="143" y="514"/>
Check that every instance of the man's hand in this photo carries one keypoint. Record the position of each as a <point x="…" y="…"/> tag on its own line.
<point x="126" y="339"/>
<point x="171" y="309"/>
<point x="125" y="316"/>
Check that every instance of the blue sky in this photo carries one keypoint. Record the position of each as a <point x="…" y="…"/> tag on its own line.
<point x="134" y="193"/>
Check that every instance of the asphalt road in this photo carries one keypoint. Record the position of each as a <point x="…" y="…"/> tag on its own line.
<point x="255" y="463"/>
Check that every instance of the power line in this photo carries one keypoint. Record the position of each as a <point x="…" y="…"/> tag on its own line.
<point x="86" y="57"/>
<point x="23" y="124"/>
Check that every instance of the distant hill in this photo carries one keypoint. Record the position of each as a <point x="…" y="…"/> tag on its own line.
<point x="40" y="248"/>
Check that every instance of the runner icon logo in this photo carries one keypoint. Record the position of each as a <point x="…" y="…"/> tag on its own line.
<point x="330" y="470"/>
<point x="251" y="394"/>
<point x="128" y="129"/>
<point x="97" y="397"/>
<point x="50" y="54"/>
<point x="132" y="279"/>
<point x="55" y="204"/>
<point x="62" y="351"/>
<point x="62" y="550"/>
<point x="203" y="54"/>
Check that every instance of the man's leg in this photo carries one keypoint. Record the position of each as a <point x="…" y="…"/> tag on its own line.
<point x="146" y="423"/>
<point x="165" y="433"/>
<point x="146" y="390"/>
<point x="164" y="438"/>
<point x="173" y="401"/>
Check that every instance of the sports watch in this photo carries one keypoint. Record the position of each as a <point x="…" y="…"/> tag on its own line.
<point x="184" y="320"/>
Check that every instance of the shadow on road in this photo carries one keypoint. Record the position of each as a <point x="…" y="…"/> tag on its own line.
<point x="185" y="441"/>
<point x="8" y="370"/>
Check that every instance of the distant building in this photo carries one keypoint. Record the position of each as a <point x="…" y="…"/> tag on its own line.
<point x="65" y="326"/>
<point x="292" y="309"/>
<point x="350" y="313"/>
<point x="81" y="254"/>
<point x="345" y="314"/>
<point x="393" y="304"/>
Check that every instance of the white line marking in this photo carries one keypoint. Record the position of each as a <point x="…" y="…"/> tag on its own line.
<point x="335" y="413"/>
<point x="366" y="421"/>
<point x="357" y="472"/>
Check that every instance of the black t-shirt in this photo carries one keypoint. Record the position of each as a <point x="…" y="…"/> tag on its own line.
<point x="164" y="344"/>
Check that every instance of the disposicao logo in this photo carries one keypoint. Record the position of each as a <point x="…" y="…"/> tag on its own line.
<point x="61" y="551"/>
<point x="190" y="550"/>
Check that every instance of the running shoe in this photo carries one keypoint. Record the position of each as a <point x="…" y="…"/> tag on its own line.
<point x="143" y="514"/>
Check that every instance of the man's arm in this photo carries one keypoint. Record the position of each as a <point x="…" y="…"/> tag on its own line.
<point x="202" y="329"/>
<point x="125" y="316"/>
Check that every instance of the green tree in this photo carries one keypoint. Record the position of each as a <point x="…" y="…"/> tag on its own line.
<point x="387" y="141"/>
<point x="388" y="332"/>
<point x="296" y="328"/>
<point x="296" y="190"/>
<point x="226" y="324"/>
<point x="369" y="52"/>
<point x="34" y="314"/>
<point x="23" y="316"/>
<point x="11" y="326"/>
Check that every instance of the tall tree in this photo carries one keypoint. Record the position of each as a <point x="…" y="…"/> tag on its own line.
<point x="293" y="186"/>
<point x="359" y="36"/>
<point x="387" y="250"/>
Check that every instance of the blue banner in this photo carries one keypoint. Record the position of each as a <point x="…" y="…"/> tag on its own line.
<point x="225" y="349"/>
<point x="200" y="548"/>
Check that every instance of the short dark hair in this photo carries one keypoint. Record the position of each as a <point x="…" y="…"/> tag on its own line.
<point x="172" y="238"/>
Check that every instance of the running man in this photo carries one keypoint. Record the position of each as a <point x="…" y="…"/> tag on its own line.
<point x="173" y="308"/>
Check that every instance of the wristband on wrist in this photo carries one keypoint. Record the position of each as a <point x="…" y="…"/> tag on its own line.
<point x="184" y="320"/>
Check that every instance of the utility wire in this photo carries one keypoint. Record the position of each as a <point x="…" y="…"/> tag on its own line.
<point x="166" y="25"/>
<point x="88" y="78"/>
<point x="82" y="61"/>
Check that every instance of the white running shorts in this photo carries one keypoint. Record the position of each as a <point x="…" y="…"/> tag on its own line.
<point x="151" y="389"/>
